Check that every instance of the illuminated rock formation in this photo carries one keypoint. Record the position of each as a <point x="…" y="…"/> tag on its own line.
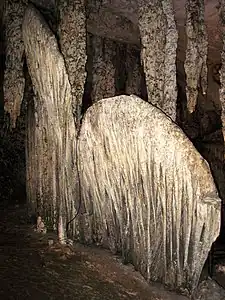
<point x="149" y="193"/>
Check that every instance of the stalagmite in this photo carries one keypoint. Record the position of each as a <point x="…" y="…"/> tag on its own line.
<point x="196" y="52"/>
<point x="14" y="81"/>
<point x="72" y="35"/>
<point x="159" y="43"/>
<point x="103" y="72"/>
<point x="133" y="68"/>
<point x="51" y="131"/>
<point x="148" y="192"/>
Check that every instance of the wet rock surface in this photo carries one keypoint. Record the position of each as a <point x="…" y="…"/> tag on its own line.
<point x="31" y="267"/>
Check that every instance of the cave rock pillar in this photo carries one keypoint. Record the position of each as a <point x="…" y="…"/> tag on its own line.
<point x="52" y="133"/>
<point x="159" y="43"/>
<point x="196" y="52"/>
<point x="14" y="81"/>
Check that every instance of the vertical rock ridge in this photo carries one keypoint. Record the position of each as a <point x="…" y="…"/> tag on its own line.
<point x="222" y="70"/>
<point x="159" y="43"/>
<point x="72" y="37"/>
<point x="196" y="52"/>
<point x="14" y="81"/>
<point x="51" y="127"/>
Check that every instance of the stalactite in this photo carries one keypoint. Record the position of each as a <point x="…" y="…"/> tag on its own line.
<point x="14" y="81"/>
<point x="150" y="194"/>
<point x="222" y="70"/>
<point x="72" y="35"/>
<point x="133" y="70"/>
<point x="159" y="43"/>
<point x="51" y="143"/>
<point x="196" y="52"/>
<point x="103" y="73"/>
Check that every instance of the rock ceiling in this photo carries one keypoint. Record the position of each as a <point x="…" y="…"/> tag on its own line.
<point x="118" y="20"/>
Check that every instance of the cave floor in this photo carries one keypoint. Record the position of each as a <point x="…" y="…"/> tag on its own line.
<point x="30" y="268"/>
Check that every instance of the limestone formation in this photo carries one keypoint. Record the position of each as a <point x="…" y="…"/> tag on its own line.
<point x="14" y="81"/>
<point x="148" y="193"/>
<point x="159" y="43"/>
<point x="222" y="70"/>
<point x="72" y="35"/>
<point x="40" y="226"/>
<point x="142" y="188"/>
<point x="196" y="52"/>
<point x="51" y="128"/>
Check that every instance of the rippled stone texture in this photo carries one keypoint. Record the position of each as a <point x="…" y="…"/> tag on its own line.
<point x="147" y="190"/>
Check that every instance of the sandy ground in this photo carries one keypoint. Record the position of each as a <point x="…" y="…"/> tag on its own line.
<point x="30" y="268"/>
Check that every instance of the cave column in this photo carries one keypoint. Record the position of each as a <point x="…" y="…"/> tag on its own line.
<point x="196" y="52"/>
<point x="159" y="43"/>
<point x="52" y="135"/>
<point x="103" y="70"/>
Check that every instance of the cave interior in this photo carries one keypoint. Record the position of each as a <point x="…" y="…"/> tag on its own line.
<point x="114" y="66"/>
